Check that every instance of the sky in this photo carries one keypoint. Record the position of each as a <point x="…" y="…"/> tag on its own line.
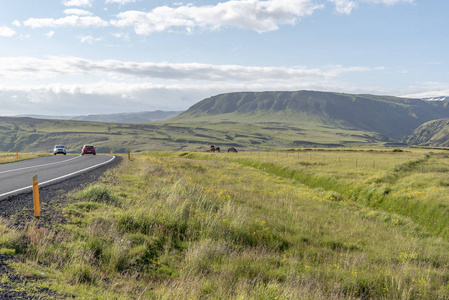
<point x="78" y="57"/>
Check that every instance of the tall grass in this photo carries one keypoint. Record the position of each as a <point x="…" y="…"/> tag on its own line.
<point x="206" y="226"/>
<point x="408" y="183"/>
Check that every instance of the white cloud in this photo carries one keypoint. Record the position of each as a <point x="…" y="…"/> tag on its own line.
<point x="50" y="34"/>
<point x="114" y="96"/>
<point x="428" y="89"/>
<point x="121" y="35"/>
<point x="88" y="39"/>
<point x="85" y="3"/>
<point x="78" y="12"/>
<point x="28" y="67"/>
<point x="75" y="21"/>
<point x="344" y="6"/>
<point x="6" y="31"/>
<point x="122" y="2"/>
<point x="67" y="83"/>
<point x="388" y="2"/>
<point x="101" y="97"/>
<point x="257" y="15"/>
<point x="77" y="85"/>
<point x="429" y="94"/>
<point x="17" y="23"/>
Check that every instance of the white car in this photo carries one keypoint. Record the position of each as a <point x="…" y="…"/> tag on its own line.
<point x="59" y="149"/>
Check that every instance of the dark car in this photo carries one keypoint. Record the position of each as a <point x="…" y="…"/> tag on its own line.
<point x="88" y="149"/>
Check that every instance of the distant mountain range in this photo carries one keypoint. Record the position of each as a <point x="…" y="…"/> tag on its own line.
<point x="137" y="117"/>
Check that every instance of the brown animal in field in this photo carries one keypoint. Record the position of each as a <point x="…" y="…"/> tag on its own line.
<point x="232" y="149"/>
<point x="212" y="148"/>
<point x="217" y="149"/>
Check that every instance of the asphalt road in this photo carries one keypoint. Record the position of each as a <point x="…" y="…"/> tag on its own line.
<point x="16" y="178"/>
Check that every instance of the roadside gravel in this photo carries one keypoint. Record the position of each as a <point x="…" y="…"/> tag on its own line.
<point x="19" y="210"/>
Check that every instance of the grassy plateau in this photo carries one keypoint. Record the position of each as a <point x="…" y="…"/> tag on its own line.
<point x="342" y="223"/>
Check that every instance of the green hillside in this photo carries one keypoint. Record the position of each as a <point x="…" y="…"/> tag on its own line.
<point x="390" y="116"/>
<point x="251" y="121"/>
<point x="434" y="133"/>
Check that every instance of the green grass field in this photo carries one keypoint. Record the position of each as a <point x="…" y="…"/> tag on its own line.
<point x="347" y="223"/>
<point x="32" y="135"/>
<point x="6" y="157"/>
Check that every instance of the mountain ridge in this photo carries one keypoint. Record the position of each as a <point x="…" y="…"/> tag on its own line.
<point x="390" y="116"/>
<point x="132" y="117"/>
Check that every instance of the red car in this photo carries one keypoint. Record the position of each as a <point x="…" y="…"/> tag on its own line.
<point x="88" y="149"/>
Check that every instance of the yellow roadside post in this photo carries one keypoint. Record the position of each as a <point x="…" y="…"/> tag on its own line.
<point x="110" y="152"/>
<point x="37" y="208"/>
<point x="129" y="155"/>
<point x="17" y="154"/>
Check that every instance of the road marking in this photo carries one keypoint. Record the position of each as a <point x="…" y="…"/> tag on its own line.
<point x="54" y="179"/>
<point x="58" y="162"/>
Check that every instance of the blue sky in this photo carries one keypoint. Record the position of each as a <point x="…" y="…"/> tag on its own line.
<point x="75" y="57"/>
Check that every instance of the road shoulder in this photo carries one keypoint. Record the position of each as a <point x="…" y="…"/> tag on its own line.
<point x="18" y="210"/>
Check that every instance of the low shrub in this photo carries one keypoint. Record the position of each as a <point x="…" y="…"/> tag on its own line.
<point x="97" y="193"/>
